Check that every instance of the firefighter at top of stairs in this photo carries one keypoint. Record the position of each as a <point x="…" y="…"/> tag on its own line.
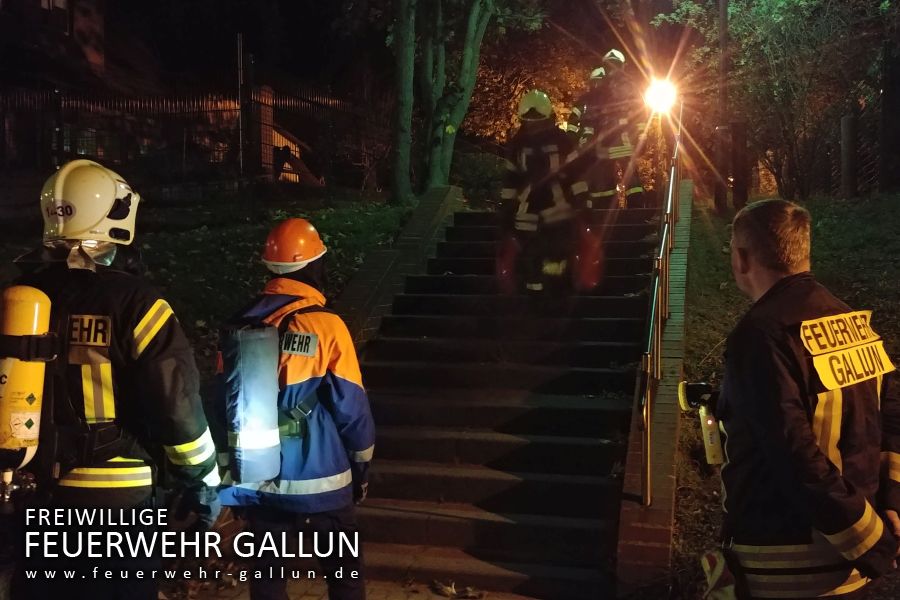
<point x="540" y="197"/>
<point x="606" y="124"/>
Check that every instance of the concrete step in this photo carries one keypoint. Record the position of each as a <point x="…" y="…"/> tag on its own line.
<point x="559" y="380"/>
<point x="519" y="306"/>
<point x="504" y="411"/>
<point x="487" y="266"/>
<point x="626" y="216"/>
<point x="615" y="285"/>
<point x="400" y="562"/>
<point x="611" y="249"/>
<point x="544" y="353"/>
<point x="513" y="328"/>
<point x="488" y="233"/>
<point x="532" y="538"/>
<point x="580" y="496"/>
<point x="502" y="451"/>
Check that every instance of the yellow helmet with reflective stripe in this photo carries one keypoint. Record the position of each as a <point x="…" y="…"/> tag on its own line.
<point x="535" y="105"/>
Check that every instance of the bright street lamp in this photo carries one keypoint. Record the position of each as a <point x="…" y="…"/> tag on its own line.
<point x="660" y="96"/>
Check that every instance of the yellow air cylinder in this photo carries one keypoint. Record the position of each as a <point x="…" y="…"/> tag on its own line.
<point x="24" y="310"/>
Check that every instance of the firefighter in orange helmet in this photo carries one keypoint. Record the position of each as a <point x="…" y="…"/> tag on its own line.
<point x="326" y="430"/>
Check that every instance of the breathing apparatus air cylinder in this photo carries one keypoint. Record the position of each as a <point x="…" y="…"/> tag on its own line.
<point x="24" y="311"/>
<point x="250" y="376"/>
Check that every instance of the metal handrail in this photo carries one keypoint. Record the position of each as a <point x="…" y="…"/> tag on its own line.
<point x="651" y="361"/>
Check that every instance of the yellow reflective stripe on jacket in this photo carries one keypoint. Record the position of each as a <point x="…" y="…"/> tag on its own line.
<point x="254" y="440"/>
<point x="621" y="151"/>
<point x="363" y="455"/>
<point x="576" y="111"/>
<point x="891" y="462"/>
<point x="857" y="539"/>
<point x="807" y="585"/>
<point x="523" y="196"/>
<point x="97" y="390"/>
<point x="108" y="477"/>
<point x="603" y="194"/>
<point x="792" y="556"/>
<point x="194" y="452"/>
<point x="638" y="189"/>
<point x="508" y="193"/>
<point x="579" y="187"/>
<point x="526" y="222"/>
<point x="552" y="153"/>
<point x="150" y="325"/>
<point x="826" y="425"/>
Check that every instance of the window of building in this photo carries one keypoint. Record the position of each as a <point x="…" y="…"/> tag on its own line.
<point x="86" y="142"/>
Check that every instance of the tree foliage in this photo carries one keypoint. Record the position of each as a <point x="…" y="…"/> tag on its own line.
<point x="796" y="67"/>
<point x="445" y="37"/>
<point x="545" y="60"/>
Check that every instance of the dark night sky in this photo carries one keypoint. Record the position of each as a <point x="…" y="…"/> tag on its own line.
<point x="195" y="40"/>
<point x="320" y="40"/>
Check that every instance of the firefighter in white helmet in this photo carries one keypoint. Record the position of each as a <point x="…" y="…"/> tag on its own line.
<point x="574" y="127"/>
<point x="607" y="123"/>
<point x="122" y="413"/>
<point x="539" y="198"/>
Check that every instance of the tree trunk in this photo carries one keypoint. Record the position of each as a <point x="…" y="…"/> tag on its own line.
<point x="433" y="80"/>
<point x="453" y="111"/>
<point x="889" y="163"/>
<point x="405" y="51"/>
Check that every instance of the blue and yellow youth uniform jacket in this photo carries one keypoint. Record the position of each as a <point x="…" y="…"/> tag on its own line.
<point x="318" y="468"/>
<point x="811" y="443"/>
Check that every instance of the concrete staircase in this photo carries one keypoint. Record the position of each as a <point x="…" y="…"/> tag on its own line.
<point x="502" y="427"/>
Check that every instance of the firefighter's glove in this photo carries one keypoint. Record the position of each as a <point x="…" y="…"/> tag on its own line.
<point x="203" y="502"/>
<point x="360" y="491"/>
<point x="360" y="471"/>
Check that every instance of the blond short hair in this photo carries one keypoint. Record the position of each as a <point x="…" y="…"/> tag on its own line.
<point x="776" y="233"/>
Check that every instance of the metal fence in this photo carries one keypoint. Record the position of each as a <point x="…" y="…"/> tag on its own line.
<point x="868" y="149"/>
<point x="196" y="137"/>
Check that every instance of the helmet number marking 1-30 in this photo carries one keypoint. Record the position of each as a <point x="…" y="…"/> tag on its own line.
<point x="61" y="209"/>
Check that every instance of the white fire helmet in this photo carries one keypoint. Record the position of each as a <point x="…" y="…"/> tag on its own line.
<point x="614" y="57"/>
<point x="84" y="200"/>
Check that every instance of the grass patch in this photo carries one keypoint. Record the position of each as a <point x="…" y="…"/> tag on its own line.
<point x="206" y="260"/>
<point x="853" y="248"/>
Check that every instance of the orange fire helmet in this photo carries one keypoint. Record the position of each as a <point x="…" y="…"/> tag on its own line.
<point x="291" y="245"/>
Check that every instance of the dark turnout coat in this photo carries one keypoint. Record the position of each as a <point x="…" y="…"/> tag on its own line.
<point x="811" y="444"/>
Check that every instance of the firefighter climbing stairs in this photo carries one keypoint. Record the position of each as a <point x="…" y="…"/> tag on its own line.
<point x="503" y="422"/>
